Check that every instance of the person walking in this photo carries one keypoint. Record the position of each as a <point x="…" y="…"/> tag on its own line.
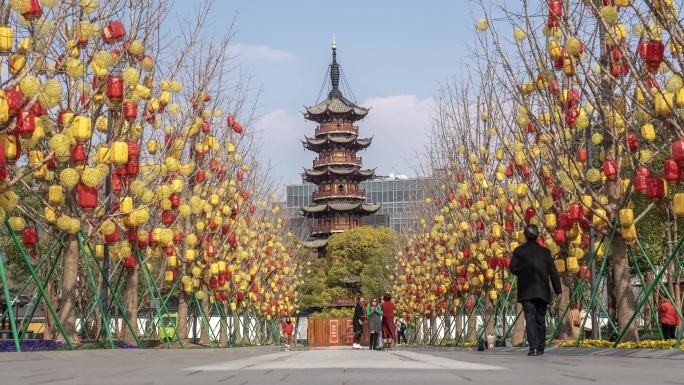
<point x="288" y="330"/>
<point x="533" y="265"/>
<point x="374" y="314"/>
<point x="669" y="319"/>
<point x="358" y="321"/>
<point x="389" y="331"/>
<point x="401" y="328"/>
<point x="587" y="324"/>
<point x="381" y="343"/>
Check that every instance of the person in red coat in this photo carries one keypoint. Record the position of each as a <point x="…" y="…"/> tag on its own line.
<point x="389" y="333"/>
<point x="669" y="319"/>
<point x="288" y="330"/>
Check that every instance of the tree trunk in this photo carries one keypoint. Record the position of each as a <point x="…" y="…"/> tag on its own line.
<point x="183" y="327"/>
<point x="447" y="327"/>
<point x="223" y="333"/>
<point x="131" y="303"/>
<point x="488" y="321"/>
<point x="204" y="323"/>
<point x="519" y="326"/>
<point x="623" y="289"/>
<point x="565" y="329"/>
<point x="472" y="326"/>
<point x="459" y="328"/>
<point x="67" y="313"/>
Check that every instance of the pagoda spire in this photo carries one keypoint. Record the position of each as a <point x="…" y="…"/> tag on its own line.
<point x="335" y="71"/>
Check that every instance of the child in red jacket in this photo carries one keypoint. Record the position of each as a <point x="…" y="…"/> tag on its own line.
<point x="288" y="330"/>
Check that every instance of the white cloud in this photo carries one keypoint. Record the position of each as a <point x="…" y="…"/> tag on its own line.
<point x="261" y="52"/>
<point x="397" y="124"/>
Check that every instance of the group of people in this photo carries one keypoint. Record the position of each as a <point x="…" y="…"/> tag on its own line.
<point x="379" y="316"/>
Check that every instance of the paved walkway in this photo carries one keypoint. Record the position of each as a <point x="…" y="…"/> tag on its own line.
<point x="267" y="365"/>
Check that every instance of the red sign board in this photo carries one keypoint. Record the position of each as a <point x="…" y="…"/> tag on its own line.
<point x="334" y="331"/>
<point x="350" y="331"/>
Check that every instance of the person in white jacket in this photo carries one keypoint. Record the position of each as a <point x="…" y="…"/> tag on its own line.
<point x="587" y="324"/>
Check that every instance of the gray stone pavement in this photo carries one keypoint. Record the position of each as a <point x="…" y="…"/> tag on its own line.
<point x="269" y="365"/>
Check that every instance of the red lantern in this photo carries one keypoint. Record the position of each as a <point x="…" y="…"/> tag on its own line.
<point x="584" y="272"/>
<point x="114" y="236"/>
<point x="130" y="110"/>
<point x="632" y="142"/>
<point x="657" y="188"/>
<point x="530" y="213"/>
<point x="168" y="217"/>
<point x="641" y="179"/>
<point x="113" y="32"/>
<point x="38" y="110"/>
<point x="508" y="226"/>
<point x="29" y="236"/>
<point x="469" y="304"/>
<point x="78" y="154"/>
<point x="678" y="152"/>
<point x="26" y="124"/>
<point x="87" y="197"/>
<point x="654" y="54"/>
<point x="133" y="168"/>
<point x="115" y="89"/>
<point x="129" y="262"/>
<point x="34" y="11"/>
<point x="237" y="127"/>
<point x="175" y="201"/>
<point x="671" y="172"/>
<point x="581" y="155"/>
<point x="211" y="250"/>
<point x="564" y="221"/>
<point x="576" y="213"/>
<point x="610" y="169"/>
<point x="559" y="236"/>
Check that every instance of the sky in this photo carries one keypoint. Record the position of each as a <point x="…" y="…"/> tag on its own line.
<point x="393" y="53"/>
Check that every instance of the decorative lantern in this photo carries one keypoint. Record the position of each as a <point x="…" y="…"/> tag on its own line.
<point x="115" y="89"/>
<point x="78" y="154"/>
<point x="29" y="236"/>
<point x="130" y="109"/>
<point x="113" y="32"/>
<point x="129" y="262"/>
<point x="657" y="189"/>
<point x="678" y="206"/>
<point x="576" y="213"/>
<point x="87" y="197"/>
<point x="6" y="40"/>
<point x="559" y="236"/>
<point x="654" y="54"/>
<point x="610" y="169"/>
<point x="626" y="217"/>
<point x="26" y="124"/>
<point x="671" y="172"/>
<point x="168" y="217"/>
<point x="81" y="129"/>
<point x="119" y="153"/>
<point x="14" y="99"/>
<point x="34" y="11"/>
<point x="641" y="179"/>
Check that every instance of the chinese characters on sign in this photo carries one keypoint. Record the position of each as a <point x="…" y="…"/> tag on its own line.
<point x="334" y="333"/>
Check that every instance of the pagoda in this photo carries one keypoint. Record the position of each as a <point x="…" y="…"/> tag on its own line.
<point x="338" y="203"/>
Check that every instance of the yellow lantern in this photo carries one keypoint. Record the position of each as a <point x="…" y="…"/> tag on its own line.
<point x="550" y="221"/>
<point x="55" y="195"/>
<point x="82" y="129"/>
<point x="663" y="103"/>
<point x="560" y="265"/>
<point x="126" y="205"/>
<point x="168" y="276"/>
<point x="6" y="40"/>
<point x="50" y="215"/>
<point x="119" y="153"/>
<point x="190" y="255"/>
<point x="152" y="146"/>
<point x="679" y="205"/>
<point x="99" y="251"/>
<point x="598" y="221"/>
<point x="629" y="233"/>
<point x="626" y="218"/>
<point x="17" y="63"/>
<point x="572" y="264"/>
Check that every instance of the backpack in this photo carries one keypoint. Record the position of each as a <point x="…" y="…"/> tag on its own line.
<point x="402" y="326"/>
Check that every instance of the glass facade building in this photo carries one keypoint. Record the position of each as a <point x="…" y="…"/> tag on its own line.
<point x="398" y="196"/>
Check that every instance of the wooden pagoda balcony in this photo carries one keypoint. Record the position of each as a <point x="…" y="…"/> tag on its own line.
<point x="357" y="161"/>
<point x="339" y="193"/>
<point x="332" y="227"/>
<point x="337" y="127"/>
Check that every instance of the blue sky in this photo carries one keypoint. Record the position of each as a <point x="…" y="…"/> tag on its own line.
<point x="393" y="53"/>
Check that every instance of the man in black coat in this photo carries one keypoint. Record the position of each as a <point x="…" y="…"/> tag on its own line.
<point x="533" y="265"/>
<point x="358" y="321"/>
